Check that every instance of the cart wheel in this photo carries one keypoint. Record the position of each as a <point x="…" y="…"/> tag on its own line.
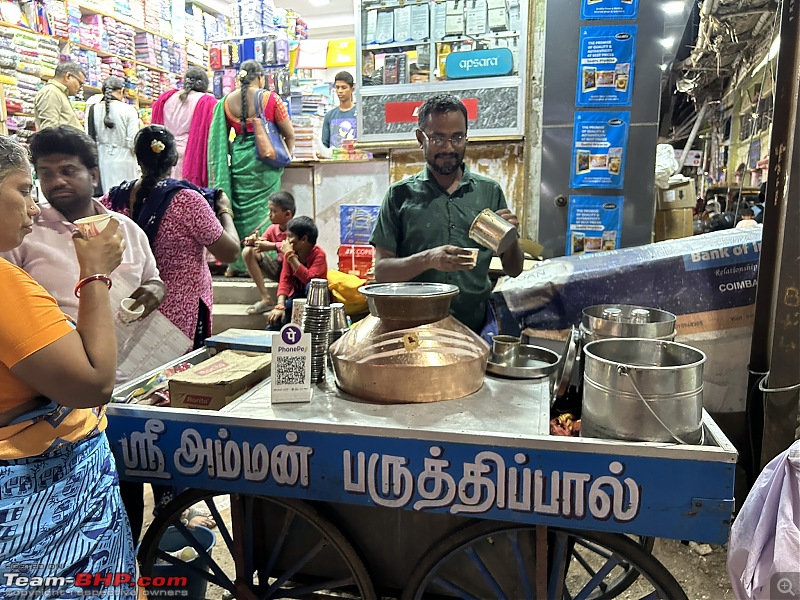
<point x="491" y="560"/>
<point x="265" y="548"/>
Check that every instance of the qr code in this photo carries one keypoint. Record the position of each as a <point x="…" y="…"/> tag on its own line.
<point x="290" y="370"/>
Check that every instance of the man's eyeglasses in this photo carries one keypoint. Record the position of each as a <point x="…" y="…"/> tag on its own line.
<point x="82" y="82"/>
<point x="439" y="140"/>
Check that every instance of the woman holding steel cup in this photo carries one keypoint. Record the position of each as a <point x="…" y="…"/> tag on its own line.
<point x="59" y="492"/>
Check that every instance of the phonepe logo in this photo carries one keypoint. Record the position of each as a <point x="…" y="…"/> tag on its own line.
<point x="783" y="586"/>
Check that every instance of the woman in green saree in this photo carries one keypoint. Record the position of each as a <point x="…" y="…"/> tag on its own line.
<point x="233" y="166"/>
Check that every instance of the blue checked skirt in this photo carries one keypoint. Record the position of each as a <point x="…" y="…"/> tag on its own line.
<point x="60" y="515"/>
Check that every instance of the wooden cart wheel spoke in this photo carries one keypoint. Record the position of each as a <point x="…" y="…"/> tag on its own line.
<point x="486" y="574"/>
<point x="454" y="589"/>
<point x="571" y="565"/>
<point x="280" y="541"/>
<point x="305" y="590"/>
<point x="524" y="575"/>
<point x="273" y="548"/>
<point x="295" y="568"/>
<point x="559" y="565"/>
<point x="204" y="558"/>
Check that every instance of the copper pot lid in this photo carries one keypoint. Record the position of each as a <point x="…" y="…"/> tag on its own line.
<point x="408" y="289"/>
<point x="563" y="375"/>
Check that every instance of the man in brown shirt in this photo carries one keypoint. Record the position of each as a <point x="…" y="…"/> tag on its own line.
<point x="51" y="107"/>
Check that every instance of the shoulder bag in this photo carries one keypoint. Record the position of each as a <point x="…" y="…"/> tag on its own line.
<point x="270" y="147"/>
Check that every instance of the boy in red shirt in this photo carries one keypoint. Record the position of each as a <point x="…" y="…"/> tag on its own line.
<point x="257" y="253"/>
<point x="303" y="261"/>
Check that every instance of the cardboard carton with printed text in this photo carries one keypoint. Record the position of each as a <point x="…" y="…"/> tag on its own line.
<point x="218" y="381"/>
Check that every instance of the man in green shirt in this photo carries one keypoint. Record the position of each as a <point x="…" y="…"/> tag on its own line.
<point x="423" y="225"/>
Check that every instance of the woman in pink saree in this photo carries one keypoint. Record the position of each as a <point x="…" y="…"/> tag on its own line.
<point x="187" y="115"/>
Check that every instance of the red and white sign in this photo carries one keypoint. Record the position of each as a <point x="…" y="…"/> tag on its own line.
<point x="408" y="112"/>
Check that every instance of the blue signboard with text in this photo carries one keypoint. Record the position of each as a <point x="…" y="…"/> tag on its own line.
<point x="606" y="59"/>
<point x="599" y="146"/>
<point x="609" y="9"/>
<point x="595" y="224"/>
<point x="496" y="62"/>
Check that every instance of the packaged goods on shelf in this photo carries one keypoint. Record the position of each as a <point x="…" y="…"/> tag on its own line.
<point x="307" y="133"/>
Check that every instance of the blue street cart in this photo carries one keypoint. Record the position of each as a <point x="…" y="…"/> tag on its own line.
<point x="468" y="498"/>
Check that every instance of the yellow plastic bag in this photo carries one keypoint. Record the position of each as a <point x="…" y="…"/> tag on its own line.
<point x="344" y="289"/>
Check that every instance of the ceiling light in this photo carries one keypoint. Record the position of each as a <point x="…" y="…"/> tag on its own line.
<point x="674" y="7"/>
<point x="668" y="42"/>
<point x="319" y="2"/>
<point x="664" y="66"/>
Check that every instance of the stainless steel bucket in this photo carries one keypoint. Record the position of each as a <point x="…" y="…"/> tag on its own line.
<point x="660" y="324"/>
<point x="643" y="390"/>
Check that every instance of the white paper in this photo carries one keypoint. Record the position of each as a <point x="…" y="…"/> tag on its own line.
<point x="498" y="19"/>
<point x="419" y="22"/>
<point x="438" y="20"/>
<point x="496" y="4"/>
<point x="476" y="17"/>
<point x="402" y="24"/>
<point x="454" y="25"/>
<point x="372" y="26"/>
<point x="384" y="30"/>
<point x="146" y="344"/>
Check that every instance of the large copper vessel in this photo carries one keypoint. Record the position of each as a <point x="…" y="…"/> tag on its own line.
<point x="415" y="353"/>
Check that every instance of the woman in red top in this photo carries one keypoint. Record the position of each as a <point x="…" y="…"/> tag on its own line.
<point x="233" y="166"/>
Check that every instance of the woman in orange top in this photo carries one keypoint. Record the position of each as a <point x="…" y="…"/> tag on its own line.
<point x="60" y="508"/>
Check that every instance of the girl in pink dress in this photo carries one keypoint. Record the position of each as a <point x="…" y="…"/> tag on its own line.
<point x="181" y="221"/>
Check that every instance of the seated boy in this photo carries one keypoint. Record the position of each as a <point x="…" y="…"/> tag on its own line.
<point x="303" y="261"/>
<point x="259" y="263"/>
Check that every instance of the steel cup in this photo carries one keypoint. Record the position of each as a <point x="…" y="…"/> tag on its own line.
<point x="318" y="293"/>
<point x="338" y="316"/>
<point x="505" y="349"/>
<point x="492" y="231"/>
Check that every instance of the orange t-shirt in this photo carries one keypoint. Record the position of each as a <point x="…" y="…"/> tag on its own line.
<point x="29" y="321"/>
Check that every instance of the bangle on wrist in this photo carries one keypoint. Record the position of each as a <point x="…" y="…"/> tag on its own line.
<point x="290" y="254"/>
<point x="104" y="278"/>
<point x="280" y="307"/>
<point x="226" y="211"/>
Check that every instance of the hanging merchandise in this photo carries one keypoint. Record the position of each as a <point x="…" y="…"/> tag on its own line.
<point x="599" y="146"/>
<point x="609" y="9"/>
<point x="595" y="224"/>
<point x="606" y="59"/>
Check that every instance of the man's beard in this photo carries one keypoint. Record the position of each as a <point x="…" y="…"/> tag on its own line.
<point x="449" y="168"/>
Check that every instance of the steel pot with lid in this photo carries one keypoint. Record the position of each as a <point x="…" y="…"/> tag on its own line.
<point x="409" y="349"/>
<point x="605" y="321"/>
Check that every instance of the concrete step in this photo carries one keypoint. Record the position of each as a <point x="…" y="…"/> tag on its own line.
<point x="241" y="292"/>
<point x="227" y="316"/>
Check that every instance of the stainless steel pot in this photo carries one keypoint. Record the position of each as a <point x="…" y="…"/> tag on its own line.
<point x="642" y="390"/>
<point x="597" y="325"/>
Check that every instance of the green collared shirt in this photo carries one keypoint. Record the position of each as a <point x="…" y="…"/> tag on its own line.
<point x="417" y="215"/>
<point x="51" y="107"/>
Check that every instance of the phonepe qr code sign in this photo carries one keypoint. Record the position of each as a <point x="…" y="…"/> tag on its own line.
<point x="784" y="585"/>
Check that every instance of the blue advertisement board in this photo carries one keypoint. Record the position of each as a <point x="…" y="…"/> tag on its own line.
<point x="609" y="9"/>
<point x="606" y="58"/>
<point x="595" y="224"/>
<point x="599" y="145"/>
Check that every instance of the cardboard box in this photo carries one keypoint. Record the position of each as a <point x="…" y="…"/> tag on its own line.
<point x="356" y="260"/>
<point x="356" y="222"/>
<point x="681" y="195"/>
<point x="673" y="224"/>
<point x="219" y="380"/>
